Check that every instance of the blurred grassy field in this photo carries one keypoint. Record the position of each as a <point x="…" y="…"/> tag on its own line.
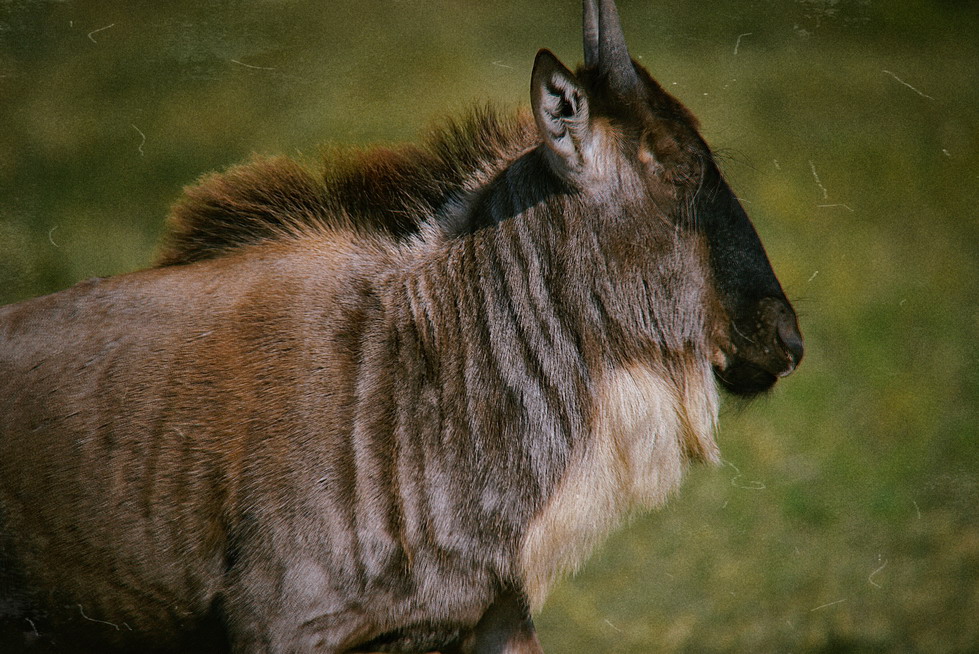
<point x="846" y="516"/>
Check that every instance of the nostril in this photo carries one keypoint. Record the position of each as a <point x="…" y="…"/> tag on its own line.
<point x="790" y="337"/>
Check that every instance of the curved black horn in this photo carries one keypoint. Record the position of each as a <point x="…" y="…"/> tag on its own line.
<point x="605" y="46"/>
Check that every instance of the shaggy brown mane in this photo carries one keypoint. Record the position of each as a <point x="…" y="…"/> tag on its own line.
<point x="382" y="190"/>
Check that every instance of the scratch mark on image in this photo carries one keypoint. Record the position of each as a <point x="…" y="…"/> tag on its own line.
<point x="241" y="63"/>
<point x="823" y="606"/>
<point x="815" y="176"/>
<point x="751" y="485"/>
<point x="501" y="64"/>
<point x="609" y="623"/>
<point x="99" y="30"/>
<point x="924" y="95"/>
<point x="51" y="238"/>
<point x="111" y="624"/>
<point x="871" y="577"/>
<point x="840" y="204"/>
<point x="143" y="142"/>
<point x="738" y="43"/>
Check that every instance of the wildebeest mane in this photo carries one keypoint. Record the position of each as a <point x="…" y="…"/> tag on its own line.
<point x="386" y="191"/>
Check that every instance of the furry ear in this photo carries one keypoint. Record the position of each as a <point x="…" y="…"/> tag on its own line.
<point x="560" y="107"/>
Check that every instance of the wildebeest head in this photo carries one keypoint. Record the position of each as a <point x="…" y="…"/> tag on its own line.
<point x="611" y="130"/>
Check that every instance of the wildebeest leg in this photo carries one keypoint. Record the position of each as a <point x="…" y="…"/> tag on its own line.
<point x="505" y="628"/>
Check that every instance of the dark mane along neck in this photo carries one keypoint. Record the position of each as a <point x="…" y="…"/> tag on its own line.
<point x="382" y="191"/>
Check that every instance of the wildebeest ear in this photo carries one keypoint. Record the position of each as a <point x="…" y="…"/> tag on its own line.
<point x="560" y="107"/>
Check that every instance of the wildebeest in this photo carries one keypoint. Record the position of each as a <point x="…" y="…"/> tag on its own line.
<point x="384" y="405"/>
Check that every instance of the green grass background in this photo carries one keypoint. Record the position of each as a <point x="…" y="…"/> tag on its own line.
<point x="846" y="515"/>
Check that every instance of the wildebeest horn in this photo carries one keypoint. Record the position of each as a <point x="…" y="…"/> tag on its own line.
<point x="589" y="29"/>
<point x="605" y="46"/>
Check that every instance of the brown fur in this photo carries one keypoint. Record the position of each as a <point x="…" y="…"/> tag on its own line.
<point x="384" y="406"/>
<point x="388" y="191"/>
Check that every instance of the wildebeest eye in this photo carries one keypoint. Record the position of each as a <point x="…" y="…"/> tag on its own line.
<point x="661" y="152"/>
<point x="663" y="146"/>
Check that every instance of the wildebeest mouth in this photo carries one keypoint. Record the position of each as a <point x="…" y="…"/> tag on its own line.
<point x="752" y="364"/>
<point x="744" y="379"/>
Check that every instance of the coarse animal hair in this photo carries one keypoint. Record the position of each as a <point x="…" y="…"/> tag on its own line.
<point x="383" y="404"/>
<point x="386" y="191"/>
